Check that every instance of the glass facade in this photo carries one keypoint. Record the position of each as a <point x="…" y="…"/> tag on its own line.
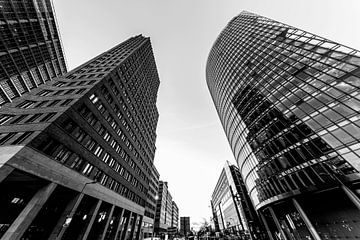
<point x="289" y="104"/>
<point x="233" y="212"/>
<point x="30" y="47"/>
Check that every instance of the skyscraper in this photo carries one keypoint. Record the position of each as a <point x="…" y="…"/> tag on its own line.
<point x="30" y="47"/>
<point x="288" y="103"/>
<point x="77" y="152"/>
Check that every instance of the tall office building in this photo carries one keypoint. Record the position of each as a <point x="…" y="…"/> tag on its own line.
<point x="288" y="102"/>
<point x="76" y="153"/>
<point x="232" y="209"/>
<point x="30" y="47"/>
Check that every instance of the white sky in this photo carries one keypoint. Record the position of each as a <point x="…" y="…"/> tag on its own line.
<point x="191" y="145"/>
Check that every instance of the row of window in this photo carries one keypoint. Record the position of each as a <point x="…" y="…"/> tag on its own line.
<point x="136" y="116"/>
<point x="63" y="155"/>
<point x="26" y="118"/>
<point x="47" y="92"/>
<point x="74" y="130"/>
<point x="73" y="83"/>
<point x="113" y="123"/>
<point x="128" y="114"/>
<point x="110" y="59"/>
<point x="282" y="67"/>
<point x="14" y="138"/>
<point x="47" y="103"/>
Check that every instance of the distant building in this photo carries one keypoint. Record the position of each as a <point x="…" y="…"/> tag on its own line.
<point x="30" y="47"/>
<point x="289" y="104"/>
<point x="76" y="153"/>
<point x="232" y="209"/>
<point x="163" y="209"/>
<point x="150" y="208"/>
<point x="185" y="226"/>
<point x="175" y="215"/>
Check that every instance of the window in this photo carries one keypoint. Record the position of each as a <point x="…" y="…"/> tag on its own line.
<point x="107" y="136"/>
<point x="62" y="155"/>
<point x="33" y="118"/>
<point x="104" y="179"/>
<point x="112" y="162"/>
<point x="26" y="104"/>
<point x="4" y="137"/>
<point x="69" y="125"/>
<point x="98" y="151"/>
<point x="76" y="163"/>
<point x="59" y="84"/>
<point x="97" y="173"/>
<point x="66" y="102"/>
<point x="79" y="134"/>
<point x="18" y="119"/>
<point x="44" y="93"/>
<point x="90" y="144"/>
<point x="106" y="157"/>
<point x="47" y="117"/>
<point x="4" y="118"/>
<point x="79" y="91"/>
<point x="40" y="104"/>
<point x="53" y="103"/>
<point x="93" y="98"/>
<point x="87" y="169"/>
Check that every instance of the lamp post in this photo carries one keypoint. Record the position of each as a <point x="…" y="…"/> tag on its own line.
<point x="153" y="226"/>
<point x="83" y="188"/>
<point x="69" y="217"/>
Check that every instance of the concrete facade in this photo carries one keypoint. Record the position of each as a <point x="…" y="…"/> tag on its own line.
<point x="76" y="153"/>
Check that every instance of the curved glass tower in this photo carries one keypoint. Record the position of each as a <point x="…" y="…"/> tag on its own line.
<point x="289" y="103"/>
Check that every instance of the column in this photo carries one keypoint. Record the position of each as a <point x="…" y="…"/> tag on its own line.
<point x="125" y="227"/>
<point x="68" y="213"/>
<point x="118" y="229"/>
<point x="133" y="226"/>
<point x="93" y="217"/>
<point x="28" y="214"/>
<point x="352" y="196"/>
<point x="266" y="225"/>
<point x="139" y="227"/>
<point x="277" y="223"/>
<point x="306" y="220"/>
<point x="5" y="170"/>
<point x="108" y="222"/>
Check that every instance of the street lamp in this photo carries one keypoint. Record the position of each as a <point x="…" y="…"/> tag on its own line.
<point x="153" y="227"/>
<point x="69" y="217"/>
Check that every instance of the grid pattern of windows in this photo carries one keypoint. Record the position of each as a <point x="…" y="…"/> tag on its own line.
<point x="109" y="120"/>
<point x="30" y="45"/>
<point x="288" y="101"/>
<point x="72" y="160"/>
